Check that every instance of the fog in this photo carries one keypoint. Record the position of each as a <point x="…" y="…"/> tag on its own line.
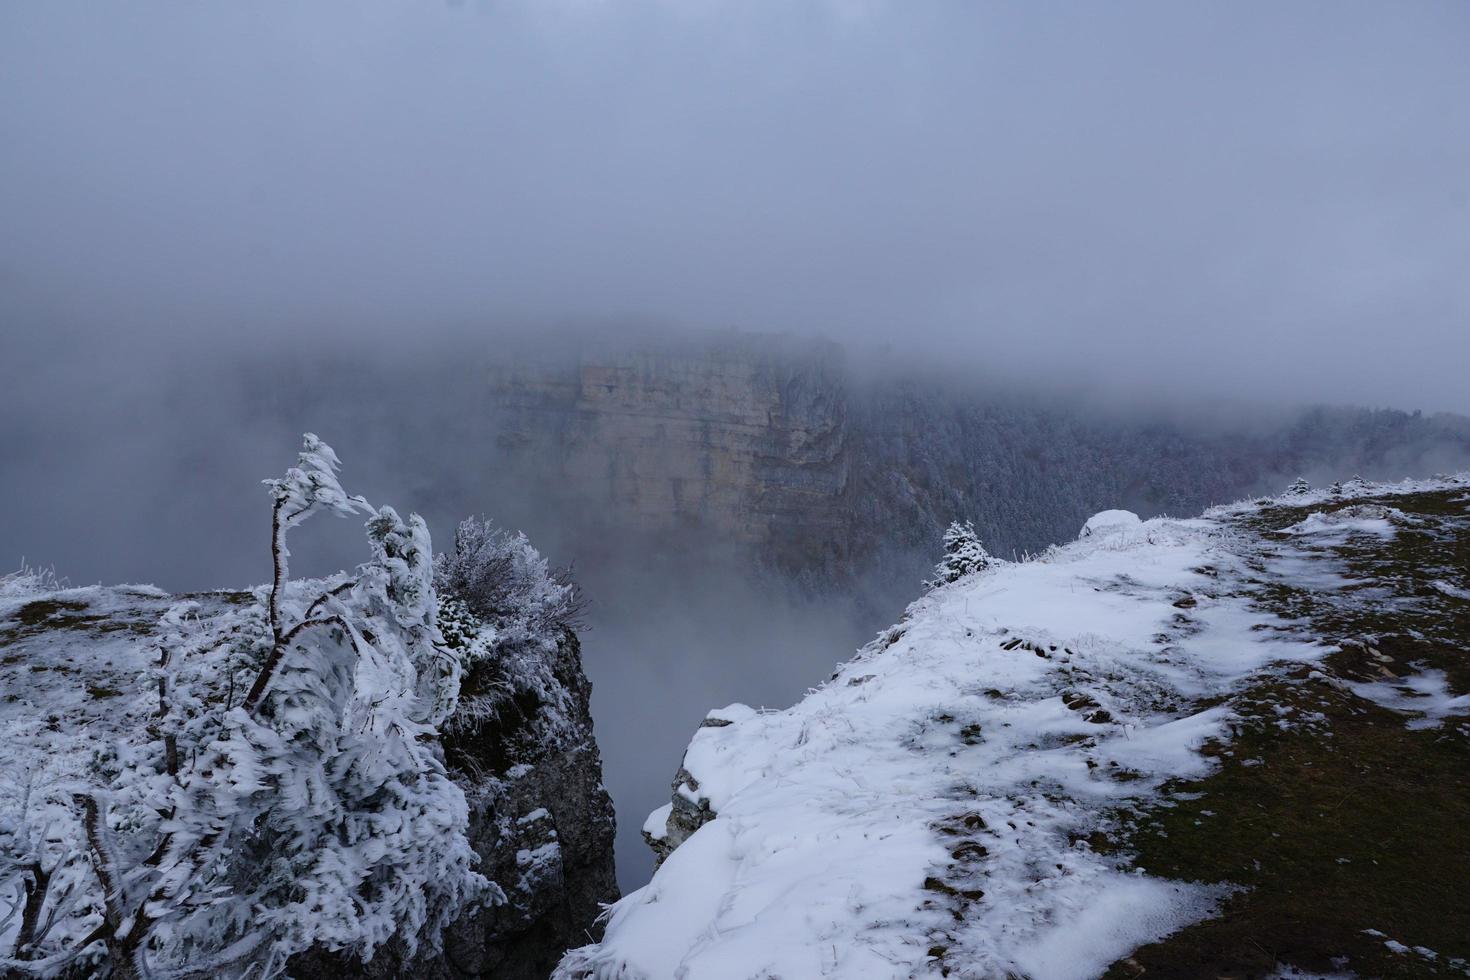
<point x="1251" y="198"/>
<point x="1186" y="207"/>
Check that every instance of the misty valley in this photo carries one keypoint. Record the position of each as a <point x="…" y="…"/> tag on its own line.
<point x="734" y="490"/>
<point x="214" y="783"/>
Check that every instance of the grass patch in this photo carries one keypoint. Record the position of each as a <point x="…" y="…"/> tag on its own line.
<point x="67" y="614"/>
<point x="1333" y="815"/>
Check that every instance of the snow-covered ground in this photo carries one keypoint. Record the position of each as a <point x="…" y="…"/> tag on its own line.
<point x="926" y="811"/>
<point x="74" y="673"/>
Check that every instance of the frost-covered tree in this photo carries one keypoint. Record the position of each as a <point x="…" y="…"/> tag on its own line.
<point x="504" y="580"/>
<point x="503" y="610"/>
<point x="963" y="554"/>
<point x="1299" y="487"/>
<point x="291" y="791"/>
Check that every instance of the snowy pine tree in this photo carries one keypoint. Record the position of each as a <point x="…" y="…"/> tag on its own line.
<point x="963" y="554"/>
<point x="1299" y="487"/>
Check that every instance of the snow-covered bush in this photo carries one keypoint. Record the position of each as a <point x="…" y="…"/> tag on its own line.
<point x="1299" y="487"/>
<point x="505" y="581"/>
<point x="963" y="554"/>
<point x="27" y="580"/>
<point x="503" y="610"/>
<point x="290" y="791"/>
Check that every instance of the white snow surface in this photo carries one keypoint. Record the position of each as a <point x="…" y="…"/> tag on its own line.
<point x="1109" y="520"/>
<point x="657" y="824"/>
<point x="1453" y="591"/>
<point x="1425" y="696"/>
<point x="1356" y="519"/>
<point x="931" y="798"/>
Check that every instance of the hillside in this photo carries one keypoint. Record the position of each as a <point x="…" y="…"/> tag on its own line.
<point x="1234" y="745"/>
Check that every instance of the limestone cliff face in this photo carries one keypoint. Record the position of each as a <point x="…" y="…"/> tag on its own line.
<point x="740" y="438"/>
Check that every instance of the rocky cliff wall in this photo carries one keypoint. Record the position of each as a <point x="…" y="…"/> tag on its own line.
<point x="769" y="443"/>
<point x="746" y="442"/>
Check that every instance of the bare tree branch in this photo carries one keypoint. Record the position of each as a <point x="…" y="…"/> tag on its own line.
<point x="126" y="929"/>
<point x="278" y="567"/>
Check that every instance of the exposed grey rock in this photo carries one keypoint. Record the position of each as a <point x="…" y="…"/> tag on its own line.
<point x="685" y="815"/>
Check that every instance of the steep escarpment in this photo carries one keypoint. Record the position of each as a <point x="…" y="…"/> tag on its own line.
<point x="1188" y="736"/>
<point x="743" y="439"/>
<point x="784" y="450"/>
<point x="772" y="444"/>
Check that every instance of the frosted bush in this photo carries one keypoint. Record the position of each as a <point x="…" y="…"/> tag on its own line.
<point x="504" y="612"/>
<point x="290" y="791"/>
<point x="28" y="581"/>
<point x="505" y="581"/>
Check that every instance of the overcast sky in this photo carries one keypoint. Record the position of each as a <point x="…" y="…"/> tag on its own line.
<point x="1259" y="199"/>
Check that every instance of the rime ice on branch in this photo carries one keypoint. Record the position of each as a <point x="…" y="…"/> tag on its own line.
<point x="289" y="789"/>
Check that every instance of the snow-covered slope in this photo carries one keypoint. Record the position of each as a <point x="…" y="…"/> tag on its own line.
<point x="928" y="810"/>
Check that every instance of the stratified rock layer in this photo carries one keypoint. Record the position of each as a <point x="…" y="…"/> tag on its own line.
<point x="741" y="439"/>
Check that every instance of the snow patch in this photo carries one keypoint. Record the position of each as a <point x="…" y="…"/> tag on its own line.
<point x="1109" y="520"/>
<point x="1425" y="695"/>
<point x="1454" y="592"/>
<point x="1127" y="912"/>
<point x="657" y="824"/>
<point x="1356" y="519"/>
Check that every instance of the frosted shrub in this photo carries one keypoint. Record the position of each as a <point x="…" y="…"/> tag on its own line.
<point x="290" y="791"/>
<point x="505" y="581"/>
<point x="504" y="611"/>
<point x="28" y="581"/>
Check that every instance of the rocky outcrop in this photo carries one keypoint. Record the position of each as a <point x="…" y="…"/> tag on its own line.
<point x="687" y="810"/>
<point x="1226" y="746"/>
